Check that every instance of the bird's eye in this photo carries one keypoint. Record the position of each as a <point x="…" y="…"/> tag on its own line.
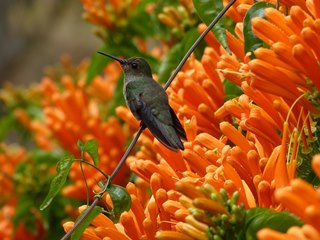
<point x="134" y="65"/>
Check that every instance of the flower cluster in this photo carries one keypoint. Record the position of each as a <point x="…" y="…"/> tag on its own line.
<point x="244" y="151"/>
<point x="233" y="145"/>
<point x="108" y="15"/>
<point x="72" y="115"/>
<point x="301" y="199"/>
<point x="10" y="158"/>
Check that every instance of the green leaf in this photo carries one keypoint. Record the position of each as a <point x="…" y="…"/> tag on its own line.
<point x="89" y="218"/>
<point x="80" y="145"/>
<point x="63" y="168"/>
<point x="121" y="199"/>
<point x="258" y="218"/>
<point x="176" y="54"/>
<point x="231" y="90"/>
<point x="91" y="147"/>
<point x="207" y="10"/>
<point x="251" y="41"/>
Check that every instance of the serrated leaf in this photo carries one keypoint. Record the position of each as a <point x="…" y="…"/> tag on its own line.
<point x="259" y="218"/>
<point x="176" y="54"/>
<point x="89" y="218"/>
<point x="63" y="168"/>
<point x="207" y="10"/>
<point x="121" y="199"/>
<point x="91" y="147"/>
<point x="251" y="41"/>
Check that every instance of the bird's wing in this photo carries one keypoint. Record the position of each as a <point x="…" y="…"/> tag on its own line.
<point x="135" y="105"/>
<point x="165" y="133"/>
<point x="177" y="125"/>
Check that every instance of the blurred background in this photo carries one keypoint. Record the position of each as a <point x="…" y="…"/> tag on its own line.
<point x="35" y="33"/>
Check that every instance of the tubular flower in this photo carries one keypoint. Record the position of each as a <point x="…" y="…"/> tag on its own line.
<point x="245" y="168"/>
<point x="276" y="80"/>
<point x="9" y="159"/>
<point x="293" y="52"/>
<point x="190" y="93"/>
<point x="102" y="87"/>
<point x="108" y="14"/>
<point x="40" y="131"/>
<point x="246" y="149"/>
<point x="73" y="113"/>
<point x="179" y="18"/>
<point x="302" y="199"/>
<point x="210" y="213"/>
<point x="294" y="48"/>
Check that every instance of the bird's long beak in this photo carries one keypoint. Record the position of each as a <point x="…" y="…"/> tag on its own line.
<point x="122" y="61"/>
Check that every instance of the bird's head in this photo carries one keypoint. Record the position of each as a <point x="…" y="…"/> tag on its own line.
<point x="135" y="66"/>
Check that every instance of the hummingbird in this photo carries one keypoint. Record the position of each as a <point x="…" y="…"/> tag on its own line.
<point x="148" y="102"/>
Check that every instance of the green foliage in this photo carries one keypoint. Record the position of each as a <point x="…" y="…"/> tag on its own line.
<point x="237" y="222"/>
<point x="207" y="11"/>
<point x="121" y="200"/>
<point x="7" y="124"/>
<point x="91" y="147"/>
<point x="231" y="90"/>
<point x="12" y="99"/>
<point x="32" y="181"/>
<point x="259" y="218"/>
<point x="78" y="232"/>
<point x="176" y="54"/>
<point x="23" y="212"/>
<point x="251" y="41"/>
<point x="63" y="168"/>
<point x="150" y="25"/>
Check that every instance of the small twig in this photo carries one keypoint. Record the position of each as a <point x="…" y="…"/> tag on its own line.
<point x="135" y="139"/>
<point x="92" y="165"/>
<point x="85" y="181"/>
